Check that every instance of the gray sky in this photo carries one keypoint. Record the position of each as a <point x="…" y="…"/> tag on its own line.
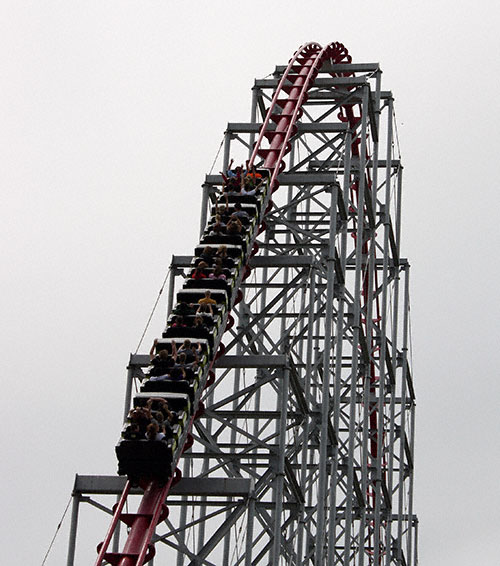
<point x="111" y="114"/>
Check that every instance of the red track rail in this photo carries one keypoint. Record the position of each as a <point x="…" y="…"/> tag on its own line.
<point x="285" y="110"/>
<point x="298" y="77"/>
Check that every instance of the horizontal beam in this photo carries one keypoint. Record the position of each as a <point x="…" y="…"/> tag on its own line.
<point x="303" y="128"/>
<point x="350" y="68"/>
<point x="181" y="260"/>
<point x="140" y="360"/>
<point x="184" y="261"/>
<point x="302" y="178"/>
<point x="207" y="487"/>
<point x="336" y="164"/>
<point x="265" y="362"/>
<point x="340" y="94"/>
<point x="341" y="68"/>
<point x="282" y="261"/>
<point x="213" y="487"/>
<point x="254" y="415"/>
<point x="320" y="83"/>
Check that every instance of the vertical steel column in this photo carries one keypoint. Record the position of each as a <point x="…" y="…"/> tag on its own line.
<point x="73" y="528"/>
<point x="128" y="390"/>
<point x="356" y="331"/>
<point x="414" y="521"/>
<point x="410" y="487"/>
<point x="227" y="150"/>
<point x="116" y="535"/>
<point x="183" y="519"/>
<point x="370" y="486"/>
<point x="263" y="302"/>
<point x="396" y="314"/>
<point x="385" y="218"/>
<point x="392" y="419"/>
<point x="394" y="337"/>
<point x="402" y="432"/>
<point x="204" y="207"/>
<point x="339" y="342"/>
<point x="243" y="323"/>
<point x="253" y="118"/>
<point x="307" y="422"/>
<point x="171" y="288"/>
<point x="203" y="499"/>
<point x="280" y="475"/>
<point x="325" y="389"/>
<point x="250" y="522"/>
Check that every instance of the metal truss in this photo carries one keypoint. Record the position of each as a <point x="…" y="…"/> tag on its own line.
<point x="304" y="452"/>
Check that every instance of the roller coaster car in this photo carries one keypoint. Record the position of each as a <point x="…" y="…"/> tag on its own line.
<point x="195" y="332"/>
<point x="192" y="332"/>
<point x="233" y="251"/>
<point x="164" y="343"/>
<point x="193" y="295"/>
<point x="177" y="402"/>
<point x="173" y="374"/>
<point x="171" y="386"/>
<point x="208" y="321"/>
<point x="235" y="240"/>
<point x="228" y="271"/>
<point x="245" y="199"/>
<point x="208" y="284"/>
<point x="249" y="207"/>
<point x="142" y="458"/>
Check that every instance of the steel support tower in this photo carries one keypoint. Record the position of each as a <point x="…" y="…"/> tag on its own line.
<point x="304" y="451"/>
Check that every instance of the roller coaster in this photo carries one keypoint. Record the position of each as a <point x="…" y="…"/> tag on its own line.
<point x="273" y="421"/>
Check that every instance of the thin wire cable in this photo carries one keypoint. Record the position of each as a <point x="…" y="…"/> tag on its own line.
<point x="154" y="308"/>
<point x="57" y="531"/>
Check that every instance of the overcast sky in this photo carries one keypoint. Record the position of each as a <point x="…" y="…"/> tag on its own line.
<point x="111" y="114"/>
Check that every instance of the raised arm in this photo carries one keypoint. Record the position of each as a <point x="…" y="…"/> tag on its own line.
<point x="152" y="351"/>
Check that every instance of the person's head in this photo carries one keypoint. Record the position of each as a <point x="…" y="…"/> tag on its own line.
<point x="207" y="250"/>
<point x="158" y="415"/>
<point x="137" y="414"/>
<point x="198" y="320"/>
<point x="237" y="206"/>
<point x="152" y="430"/>
<point x="186" y="343"/>
<point x="182" y="358"/>
<point x="207" y="294"/>
<point x="163" y="355"/>
<point x="202" y="265"/>
<point x="222" y="250"/>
